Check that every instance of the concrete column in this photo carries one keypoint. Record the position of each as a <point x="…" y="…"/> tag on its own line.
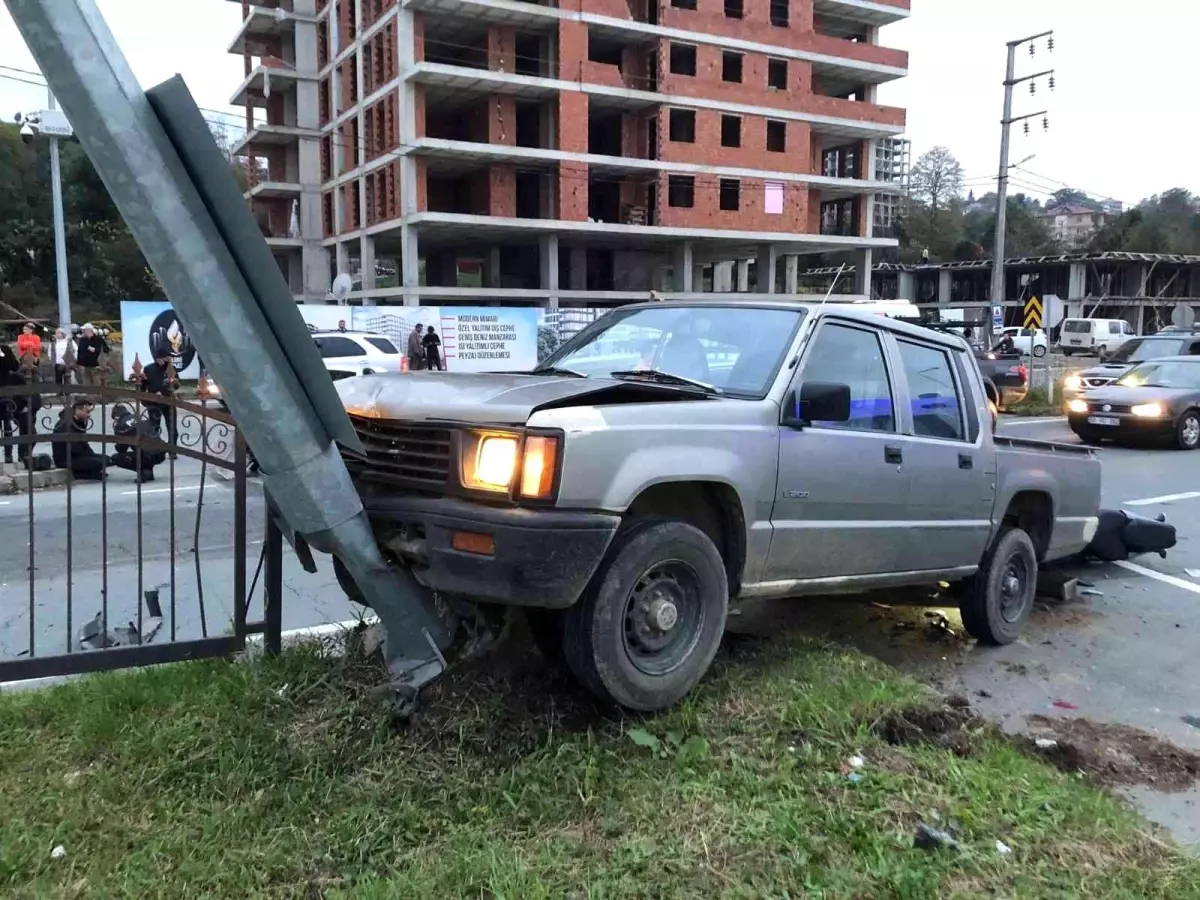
<point x="410" y="265"/>
<point x="1076" y="281"/>
<point x="764" y="269"/>
<point x="366" y="256"/>
<point x="491" y="275"/>
<point x="906" y="287"/>
<point x="549" y="262"/>
<point x="723" y="277"/>
<point x="943" y="295"/>
<point x="863" y="260"/>
<point x="1141" y="319"/>
<point x="342" y="257"/>
<point x="698" y="278"/>
<point x="578" y="269"/>
<point x="743" y="275"/>
<point x="791" y="274"/>
<point x="681" y="267"/>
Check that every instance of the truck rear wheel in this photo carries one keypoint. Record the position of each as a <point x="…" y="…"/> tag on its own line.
<point x="651" y="621"/>
<point x="996" y="602"/>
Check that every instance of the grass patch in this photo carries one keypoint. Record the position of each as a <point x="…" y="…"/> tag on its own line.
<point x="283" y="778"/>
<point x="1037" y="403"/>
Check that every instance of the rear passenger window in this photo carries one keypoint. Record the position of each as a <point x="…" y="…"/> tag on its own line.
<point x="936" y="410"/>
<point x="1114" y="327"/>
<point x="854" y="357"/>
<point x="336" y="347"/>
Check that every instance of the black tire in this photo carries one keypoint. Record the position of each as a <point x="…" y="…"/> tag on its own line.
<point x="610" y="641"/>
<point x="1066" y="352"/>
<point x="1039" y="350"/>
<point x="995" y="609"/>
<point x="1187" y="432"/>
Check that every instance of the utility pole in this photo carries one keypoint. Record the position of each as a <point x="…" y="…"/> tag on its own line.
<point x="1011" y="81"/>
<point x="60" y="239"/>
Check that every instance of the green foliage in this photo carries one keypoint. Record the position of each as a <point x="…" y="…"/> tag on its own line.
<point x="1166" y="223"/>
<point x="104" y="263"/>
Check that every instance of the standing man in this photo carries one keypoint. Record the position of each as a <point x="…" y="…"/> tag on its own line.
<point x="91" y="346"/>
<point x="159" y="378"/>
<point x="416" y="353"/>
<point x="433" y="355"/>
<point x="62" y="352"/>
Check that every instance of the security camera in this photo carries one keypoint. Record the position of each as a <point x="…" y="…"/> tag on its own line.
<point x="27" y="134"/>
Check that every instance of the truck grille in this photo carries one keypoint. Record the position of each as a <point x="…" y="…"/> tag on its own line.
<point x="1096" y="382"/>
<point x="1109" y="408"/>
<point x="402" y="452"/>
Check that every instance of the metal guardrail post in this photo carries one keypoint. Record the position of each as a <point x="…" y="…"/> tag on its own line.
<point x="273" y="588"/>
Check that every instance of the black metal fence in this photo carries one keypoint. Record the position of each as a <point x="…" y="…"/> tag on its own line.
<point x="133" y="554"/>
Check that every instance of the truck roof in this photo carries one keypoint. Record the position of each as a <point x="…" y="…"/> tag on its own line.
<point x="824" y="310"/>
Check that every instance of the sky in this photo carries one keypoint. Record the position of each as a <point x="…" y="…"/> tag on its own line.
<point x="1112" y="132"/>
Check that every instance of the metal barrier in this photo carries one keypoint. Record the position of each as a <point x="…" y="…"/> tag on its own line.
<point x="129" y="526"/>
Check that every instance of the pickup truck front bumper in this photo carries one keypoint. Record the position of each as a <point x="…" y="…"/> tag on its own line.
<point x="538" y="558"/>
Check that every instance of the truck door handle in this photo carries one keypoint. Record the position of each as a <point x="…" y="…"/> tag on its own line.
<point x="966" y="461"/>
<point x="893" y="455"/>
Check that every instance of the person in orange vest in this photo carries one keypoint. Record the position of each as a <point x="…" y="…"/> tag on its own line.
<point x="29" y="342"/>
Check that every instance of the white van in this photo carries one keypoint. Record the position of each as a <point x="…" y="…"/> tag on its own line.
<point x="1100" y="336"/>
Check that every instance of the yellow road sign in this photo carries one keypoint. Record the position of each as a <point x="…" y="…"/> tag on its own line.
<point x="1033" y="313"/>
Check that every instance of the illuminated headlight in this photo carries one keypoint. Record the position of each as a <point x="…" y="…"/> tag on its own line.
<point x="1077" y="406"/>
<point x="1149" y="411"/>
<point x="1073" y="383"/>
<point x="495" y="461"/>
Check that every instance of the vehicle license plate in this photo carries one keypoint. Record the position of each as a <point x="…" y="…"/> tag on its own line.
<point x="1103" y="420"/>
<point x="1077" y="341"/>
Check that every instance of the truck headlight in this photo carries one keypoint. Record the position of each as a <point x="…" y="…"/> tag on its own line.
<point x="495" y="462"/>
<point x="1148" y="411"/>
<point x="492" y="461"/>
<point x="1073" y="383"/>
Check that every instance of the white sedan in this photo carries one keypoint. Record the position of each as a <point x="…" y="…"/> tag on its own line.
<point x="1023" y="338"/>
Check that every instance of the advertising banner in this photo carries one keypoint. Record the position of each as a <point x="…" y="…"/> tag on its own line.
<point x="151" y="329"/>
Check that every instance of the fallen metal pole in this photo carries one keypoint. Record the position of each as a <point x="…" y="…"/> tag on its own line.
<point x="182" y="220"/>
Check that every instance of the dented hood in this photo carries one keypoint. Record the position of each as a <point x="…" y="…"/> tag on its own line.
<point x="488" y="398"/>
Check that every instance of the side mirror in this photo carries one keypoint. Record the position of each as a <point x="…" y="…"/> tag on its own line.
<point x="817" y="401"/>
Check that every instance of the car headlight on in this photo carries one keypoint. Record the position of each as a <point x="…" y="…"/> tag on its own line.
<point x="1077" y="406"/>
<point x="1073" y="383"/>
<point x="1149" y="411"/>
<point x="495" y="462"/>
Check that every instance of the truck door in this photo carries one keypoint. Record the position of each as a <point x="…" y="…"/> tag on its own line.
<point x="842" y="487"/>
<point x="951" y="462"/>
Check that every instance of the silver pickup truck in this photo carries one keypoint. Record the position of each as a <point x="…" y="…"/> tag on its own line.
<point x="675" y="458"/>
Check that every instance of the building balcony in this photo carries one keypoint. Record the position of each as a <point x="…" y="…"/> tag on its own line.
<point x="875" y="13"/>
<point x="265" y="24"/>
<point x="275" y="190"/>
<point x="270" y="77"/>
<point x="264" y="136"/>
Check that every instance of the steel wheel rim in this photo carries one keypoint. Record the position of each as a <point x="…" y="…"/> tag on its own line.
<point x="1013" y="583"/>
<point x="663" y="617"/>
<point x="1191" y="431"/>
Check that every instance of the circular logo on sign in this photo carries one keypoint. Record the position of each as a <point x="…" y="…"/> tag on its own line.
<point x="1107" y="408"/>
<point x="168" y="338"/>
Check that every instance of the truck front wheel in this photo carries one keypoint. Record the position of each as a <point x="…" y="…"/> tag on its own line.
<point x="995" y="603"/>
<point x="650" y="623"/>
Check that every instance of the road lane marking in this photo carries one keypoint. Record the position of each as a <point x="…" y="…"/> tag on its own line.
<point x="1160" y="576"/>
<point x="1165" y="498"/>
<point x="1034" y="421"/>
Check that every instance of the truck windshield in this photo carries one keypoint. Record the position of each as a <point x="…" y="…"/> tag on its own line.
<point x="735" y="348"/>
<point x="1141" y="350"/>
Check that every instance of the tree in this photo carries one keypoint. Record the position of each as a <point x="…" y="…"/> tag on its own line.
<point x="937" y="180"/>
<point x="1165" y="223"/>
<point x="1070" y="197"/>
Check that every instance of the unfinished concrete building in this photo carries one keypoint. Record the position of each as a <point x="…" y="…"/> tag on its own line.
<point x="467" y="151"/>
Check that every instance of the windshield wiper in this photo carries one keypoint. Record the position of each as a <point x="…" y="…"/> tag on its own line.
<point x="556" y="370"/>
<point x="664" y="378"/>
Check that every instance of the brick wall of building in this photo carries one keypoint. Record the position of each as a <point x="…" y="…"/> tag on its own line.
<point x="751" y="214"/>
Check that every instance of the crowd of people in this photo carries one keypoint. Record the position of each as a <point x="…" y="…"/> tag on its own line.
<point x="81" y="359"/>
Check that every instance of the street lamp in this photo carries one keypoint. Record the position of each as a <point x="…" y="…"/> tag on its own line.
<point x="53" y="124"/>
